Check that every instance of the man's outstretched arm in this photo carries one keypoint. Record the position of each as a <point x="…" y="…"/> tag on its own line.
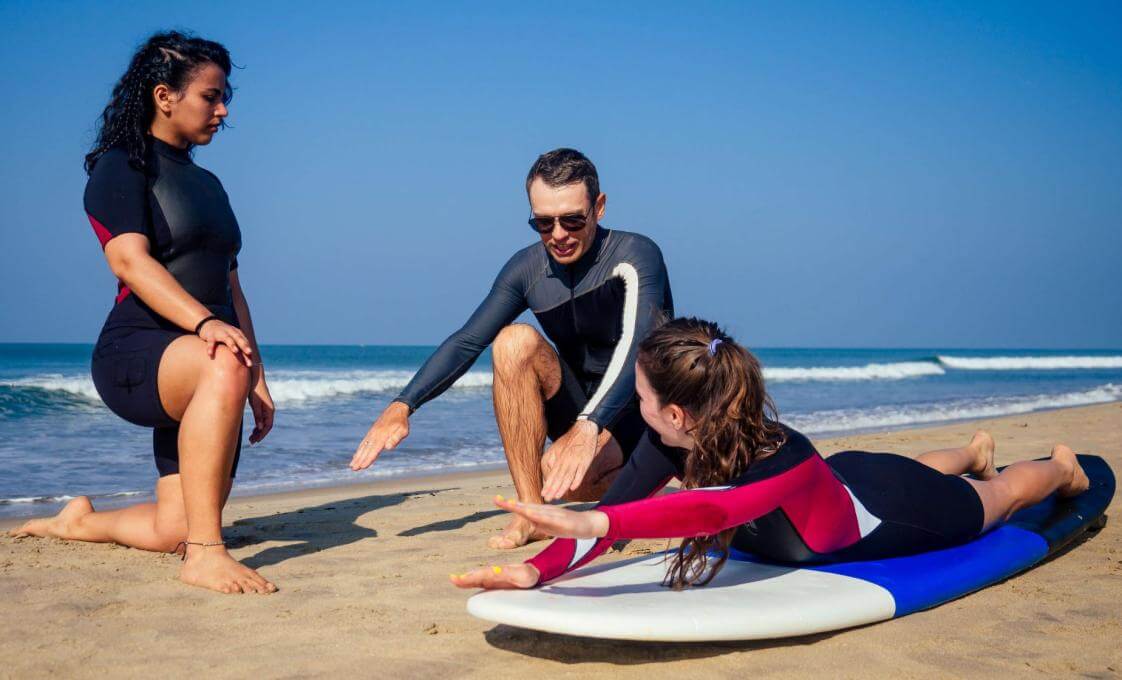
<point x="452" y="359"/>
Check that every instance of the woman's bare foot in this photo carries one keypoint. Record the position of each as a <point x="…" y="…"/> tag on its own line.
<point x="59" y="526"/>
<point x="212" y="567"/>
<point x="983" y="446"/>
<point x="1079" y="482"/>
<point x="517" y="534"/>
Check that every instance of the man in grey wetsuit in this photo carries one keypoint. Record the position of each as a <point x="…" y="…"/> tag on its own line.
<point x="596" y="293"/>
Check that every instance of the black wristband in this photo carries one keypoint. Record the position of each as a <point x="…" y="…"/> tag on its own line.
<point x="199" y="326"/>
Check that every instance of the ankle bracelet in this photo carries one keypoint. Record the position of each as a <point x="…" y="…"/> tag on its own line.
<point x="184" y="545"/>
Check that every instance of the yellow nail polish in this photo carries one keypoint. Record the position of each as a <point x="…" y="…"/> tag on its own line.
<point x="453" y="576"/>
<point x="497" y="570"/>
<point x="499" y="497"/>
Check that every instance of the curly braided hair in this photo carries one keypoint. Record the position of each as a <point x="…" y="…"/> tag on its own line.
<point x="171" y="58"/>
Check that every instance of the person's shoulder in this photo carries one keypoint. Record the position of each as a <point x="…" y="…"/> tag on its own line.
<point x="795" y="441"/>
<point x="525" y="262"/>
<point x="112" y="179"/>
<point x="114" y="164"/>
<point x="635" y="244"/>
<point x="208" y="173"/>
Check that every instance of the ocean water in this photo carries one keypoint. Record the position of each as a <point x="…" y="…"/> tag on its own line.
<point x="57" y="440"/>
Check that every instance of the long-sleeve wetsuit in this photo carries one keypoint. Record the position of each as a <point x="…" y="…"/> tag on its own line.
<point x="595" y="311"/>
<point x="793" y="506"/>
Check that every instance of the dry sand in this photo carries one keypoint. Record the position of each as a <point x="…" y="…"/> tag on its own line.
<point x="363" y="572"/>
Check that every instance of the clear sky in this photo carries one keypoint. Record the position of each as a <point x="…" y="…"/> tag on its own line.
<point x="835" y="174"/>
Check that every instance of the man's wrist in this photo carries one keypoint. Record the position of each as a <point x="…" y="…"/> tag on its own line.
<point x="589" y="425"/>
<point x="400" y="407"/>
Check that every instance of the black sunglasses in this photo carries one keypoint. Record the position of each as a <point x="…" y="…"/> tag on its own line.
<point x="572" y="222"/>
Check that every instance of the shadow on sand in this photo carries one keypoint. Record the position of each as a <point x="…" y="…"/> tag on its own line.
<point x="316" y="528"/>
<point x="452" y="524"/>
<point x="575" y="650"/>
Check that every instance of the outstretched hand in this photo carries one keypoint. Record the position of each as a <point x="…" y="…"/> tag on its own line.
<point x="507" y="577"/>
<point x="386" y="433"/>
<point x="551" y="519"/>
<point x="558" y="521"/>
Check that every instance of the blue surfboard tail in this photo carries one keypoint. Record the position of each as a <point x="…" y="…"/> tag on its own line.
<point x="1061" y="520"/>
<point x="926" y="580"/>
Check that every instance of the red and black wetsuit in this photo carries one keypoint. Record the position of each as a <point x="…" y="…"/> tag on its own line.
<point x="185" y="214"/>
<point x="793" y="506"/>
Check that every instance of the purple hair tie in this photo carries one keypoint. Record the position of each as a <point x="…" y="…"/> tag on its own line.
<point x="713" y="346"/>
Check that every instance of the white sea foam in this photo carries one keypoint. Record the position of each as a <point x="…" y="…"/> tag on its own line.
<point x="894" y="371"/>
<point x="287" y="387"/>
<point x="300" y="386"/>
<point x="1044" y="363"/>
<point x="73" y="385"/>
<point x="845" y="420"/>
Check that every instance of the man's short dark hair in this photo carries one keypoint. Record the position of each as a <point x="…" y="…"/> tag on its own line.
<point x="563" y="166"/>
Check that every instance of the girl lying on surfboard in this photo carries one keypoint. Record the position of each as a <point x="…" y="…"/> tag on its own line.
<point x="753" y="483"/>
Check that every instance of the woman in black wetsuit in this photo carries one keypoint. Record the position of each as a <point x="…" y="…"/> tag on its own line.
<point x="178" y="352"/>
<point x="756" y="484"/>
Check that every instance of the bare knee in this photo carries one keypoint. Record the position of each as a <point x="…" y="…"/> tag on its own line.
<point x="226" y="375"/>
<point x="514" y="347"/>
<point x="999" y="500"/>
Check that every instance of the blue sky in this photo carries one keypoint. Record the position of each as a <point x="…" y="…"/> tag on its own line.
<point x="831" y="174"/>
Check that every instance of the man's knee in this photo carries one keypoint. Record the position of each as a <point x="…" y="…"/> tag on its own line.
<point x="515" y="346"/>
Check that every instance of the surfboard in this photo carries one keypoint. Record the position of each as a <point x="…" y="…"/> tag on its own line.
<point x="751" y="599"/>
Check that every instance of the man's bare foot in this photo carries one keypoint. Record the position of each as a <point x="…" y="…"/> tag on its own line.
<point x="517" y="534"/>
<point x="212" y="567"/>
<point x="1079" y="482"/>
<point x="983" y="445"/>
<point x="61" y="525"/>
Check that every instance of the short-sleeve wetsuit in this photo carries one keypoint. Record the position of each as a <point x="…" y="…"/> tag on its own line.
<point x="596" y="311"/>
<point x="185" y="214"/>
<point x="793" y="506"/>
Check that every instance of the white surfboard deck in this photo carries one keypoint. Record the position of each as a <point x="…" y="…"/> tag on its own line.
<point x="746" y="601"/>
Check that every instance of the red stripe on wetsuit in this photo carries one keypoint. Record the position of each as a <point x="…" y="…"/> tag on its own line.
<point x="817" y="504"/>
<point x="557" y="558"/>
<point x="103" y="237"/>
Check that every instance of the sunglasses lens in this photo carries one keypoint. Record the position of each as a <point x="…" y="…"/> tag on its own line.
<point x="541" y="224"/>
<point x="572" y="222"/>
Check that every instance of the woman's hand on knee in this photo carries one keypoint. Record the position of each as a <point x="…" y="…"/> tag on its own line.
<point x="217" y="332"/>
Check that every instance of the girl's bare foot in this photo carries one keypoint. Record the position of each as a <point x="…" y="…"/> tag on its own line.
<point x="59" y="526"/>
<point x="983" y="446"/>
<point x="212" y="567"/>
<point x="517" y="534"/>
<point x="1079" y="482"/>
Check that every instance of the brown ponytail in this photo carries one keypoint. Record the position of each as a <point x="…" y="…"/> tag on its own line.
<point x="696" y="365"/>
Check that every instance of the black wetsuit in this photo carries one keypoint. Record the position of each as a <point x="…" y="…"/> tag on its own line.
<point x="596" y="311"/>
<point x="792" y="506"/>
<point x="184" y="212"/>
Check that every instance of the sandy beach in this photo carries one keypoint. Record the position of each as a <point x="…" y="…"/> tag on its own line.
<point x="364" y="591"/>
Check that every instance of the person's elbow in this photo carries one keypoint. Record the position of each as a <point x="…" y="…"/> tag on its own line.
<point x="123" y="263"/>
